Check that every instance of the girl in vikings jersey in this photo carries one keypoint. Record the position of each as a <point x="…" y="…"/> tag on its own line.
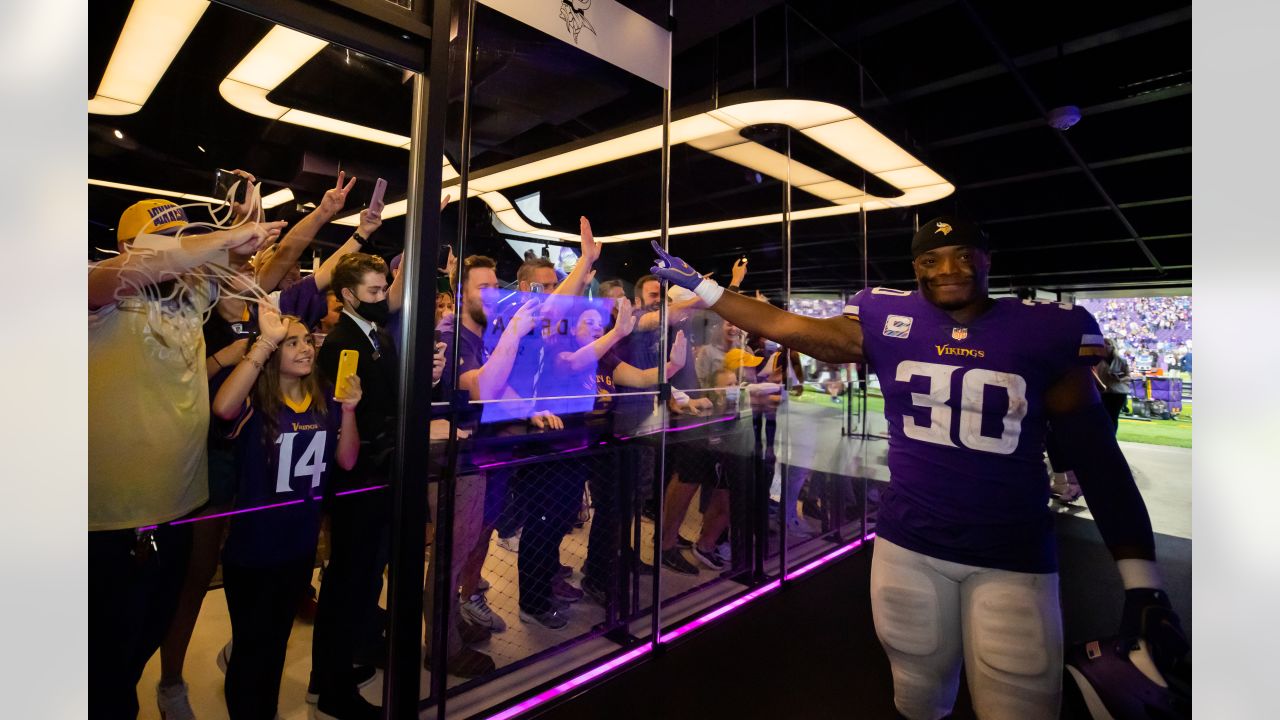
<point x="288" y="433"/>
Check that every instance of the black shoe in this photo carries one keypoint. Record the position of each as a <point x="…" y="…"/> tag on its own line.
<point x="683" y="542"/>
<point x="346" y="707"/>
<point x="467" y="663"/>
<point x="553" y="619"/>
<point x="673" y="559"/>
<point x="473" y="634"/>
<point x="362" y="674"/>
<point x="595" y="592"/>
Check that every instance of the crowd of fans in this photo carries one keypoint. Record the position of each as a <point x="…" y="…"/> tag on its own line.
<point x="224" y="433"/>
<point x="1150" y="333"/>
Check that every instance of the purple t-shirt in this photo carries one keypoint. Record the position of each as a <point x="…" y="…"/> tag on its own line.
<point x="305" y="300"/>
<point x="967" y="422"/>
<point x="472" y="354"/>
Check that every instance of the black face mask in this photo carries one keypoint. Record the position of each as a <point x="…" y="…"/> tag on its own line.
<point x="375" y="312"/>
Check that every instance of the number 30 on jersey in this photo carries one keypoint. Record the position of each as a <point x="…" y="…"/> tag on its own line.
<point x="938" y="429"/>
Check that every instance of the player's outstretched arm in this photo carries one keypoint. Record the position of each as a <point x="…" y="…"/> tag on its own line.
<point x="835" y="340"/>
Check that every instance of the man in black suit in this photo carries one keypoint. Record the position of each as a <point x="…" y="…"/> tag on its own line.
<point x="358" y="522"/>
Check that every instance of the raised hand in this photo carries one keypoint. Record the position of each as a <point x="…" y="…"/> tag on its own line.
<point x="437" y="363"/>
<point x="336" y="197"/>
<point x="251" y="208"/>
<point x="590" y="249"/>
<point x="450" y="265"/>
<point x="673" y="269"/>
<point x="525" y="319"/>
<point x="271" y="325"/>
<point x="350" y="393"/>
<point x="739" y="272"/>
<point x="679" y="351"/>
<point x="251" y="237"/>
<point x="370" y="221"/>
<point x="626" y="321"/>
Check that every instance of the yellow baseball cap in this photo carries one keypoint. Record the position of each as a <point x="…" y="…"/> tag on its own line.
<point x="149" y="216"/>
<point x="737" y="358"/>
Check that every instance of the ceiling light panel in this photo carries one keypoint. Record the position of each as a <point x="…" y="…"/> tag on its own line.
<point x="715" y="131"/>
<point x="277" y="198"/>
<point x="152" y="35"/>
<point x="277" y="56"/>
<point x="156" y="191"/>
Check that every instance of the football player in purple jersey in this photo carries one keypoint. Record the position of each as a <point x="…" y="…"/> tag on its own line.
<point x="965" y="568"/>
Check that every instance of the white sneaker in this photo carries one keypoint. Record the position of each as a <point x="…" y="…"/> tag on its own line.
<point x="224" y="657"/>
<point x="173" y="703"/>
<point x="476" y="611"/>
<point x="512" y="543"/>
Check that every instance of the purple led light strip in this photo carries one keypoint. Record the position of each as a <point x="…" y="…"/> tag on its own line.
<point x="509" y="462"/>
<point x="242" y="511"/>
<point x="825" y="559"/>
<point x="572" y="683"/>
<point x="720" y="612"/>
<point x="360" y="490"/>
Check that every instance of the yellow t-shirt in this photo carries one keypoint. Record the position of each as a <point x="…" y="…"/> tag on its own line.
<point x="148" y="411"/>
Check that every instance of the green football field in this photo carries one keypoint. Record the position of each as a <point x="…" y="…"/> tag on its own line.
<point x="1159" y="432"/>
<point x="1155" y="432"/>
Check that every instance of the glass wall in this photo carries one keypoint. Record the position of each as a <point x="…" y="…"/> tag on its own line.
<point x="605" y="462"/>
<point x="245" y="179"/>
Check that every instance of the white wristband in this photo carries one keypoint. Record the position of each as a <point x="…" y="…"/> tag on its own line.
<point x="709" y="291"/>
<point x="1137" y="573"/>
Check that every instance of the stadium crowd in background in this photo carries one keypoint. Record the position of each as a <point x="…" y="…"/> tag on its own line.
<point x="1151" y="333"/>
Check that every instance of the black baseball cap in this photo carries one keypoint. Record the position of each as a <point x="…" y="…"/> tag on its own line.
<point x="947" y="230"/>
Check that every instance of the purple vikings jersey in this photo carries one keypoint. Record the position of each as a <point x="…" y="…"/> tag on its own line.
<point x="292" y="469"/>
<point x="967" y="422"/>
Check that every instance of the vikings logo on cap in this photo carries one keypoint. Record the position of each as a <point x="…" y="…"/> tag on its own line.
<point x="944" y="228"/>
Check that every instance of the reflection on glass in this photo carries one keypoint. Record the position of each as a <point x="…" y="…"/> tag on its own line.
<point x="243" y="356"/>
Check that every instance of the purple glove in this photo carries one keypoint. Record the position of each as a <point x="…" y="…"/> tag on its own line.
<point x="674" y="270"/>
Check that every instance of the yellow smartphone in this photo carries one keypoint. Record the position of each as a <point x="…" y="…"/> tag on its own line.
<point x="347" y="361"/>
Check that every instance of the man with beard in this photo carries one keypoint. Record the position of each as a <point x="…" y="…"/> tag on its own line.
<point x="965" y="564"/>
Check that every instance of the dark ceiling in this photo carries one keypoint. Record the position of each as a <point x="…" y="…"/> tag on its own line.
<point x="962" y="86"/>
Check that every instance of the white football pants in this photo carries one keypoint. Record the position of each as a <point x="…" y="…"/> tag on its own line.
<point x="1008" y="626"/>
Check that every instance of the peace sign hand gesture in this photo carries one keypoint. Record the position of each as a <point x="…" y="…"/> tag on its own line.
<point x="336" y="197"/>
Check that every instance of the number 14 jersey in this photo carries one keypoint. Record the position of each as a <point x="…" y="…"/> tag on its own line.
<point x="967" y="423"/>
